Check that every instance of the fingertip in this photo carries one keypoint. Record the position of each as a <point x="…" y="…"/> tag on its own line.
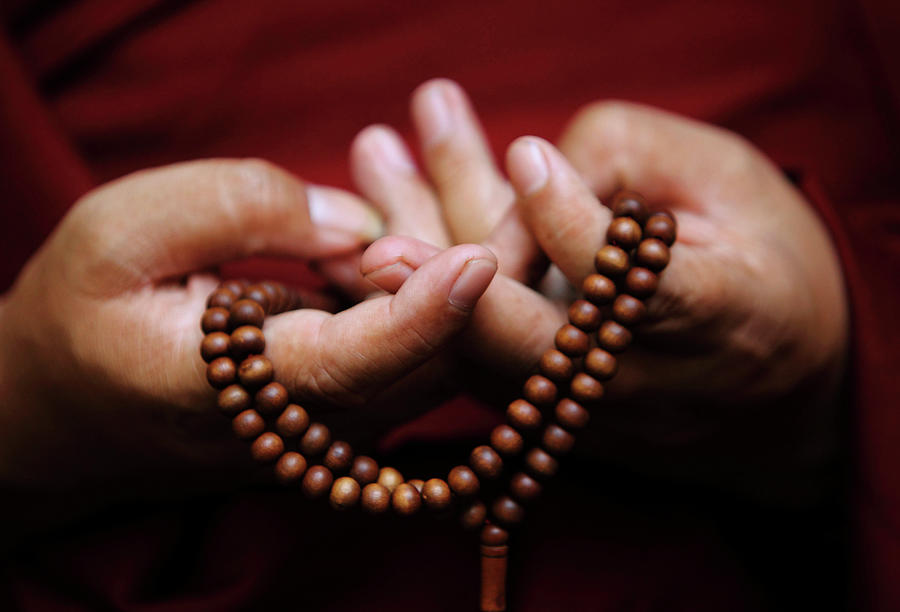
<point x="392" y="249"/>
<point x="527" y="165"/>
<point x="473" y="280"/>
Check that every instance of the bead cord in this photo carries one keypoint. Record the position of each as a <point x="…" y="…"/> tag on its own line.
<point x="555" y="402"/>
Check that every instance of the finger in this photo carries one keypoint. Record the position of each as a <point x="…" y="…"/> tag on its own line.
<point x="385" y="173"/>
<point x="473" y="193"/>
<point x="518" y="254"/>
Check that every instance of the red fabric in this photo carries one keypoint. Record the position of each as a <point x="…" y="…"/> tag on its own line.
<point x="90" y="90"/>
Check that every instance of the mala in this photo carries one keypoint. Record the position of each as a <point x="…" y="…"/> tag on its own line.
<point x="554" y="403"/>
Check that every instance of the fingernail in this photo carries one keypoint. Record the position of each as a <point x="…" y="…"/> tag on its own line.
<point x="391" y="150"/>
<point x="476" y="275"/>
<point x="330" y="210"/>
<point x="527" y="167"/>
<point x="435" y="119"/>
<point x="391" y="275"/>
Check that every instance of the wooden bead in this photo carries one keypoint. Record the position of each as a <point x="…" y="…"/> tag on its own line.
<point x="376" y="499"/>
<point x="539" y="390"/>
<point x="246" y="312"/>
<point x="292" y="422"/>
<point x="586" y="389"/>
<point x="486" y="462"/>
<point x="364" y="470"/>
<point x="584" y="315"/>
<point x="345" y="493"/>
<point x="540" y="463"/>
<point x="662" y="227"/>
<point x="277" y="295"/>
<point x="436" y="494"/>
<point x="213" y="320"/>
<point x="255" y="371"/>
<point x="233" y="399"/>
<point x="463" y="481"/>
<point x="339" y="457"/>
<point x="406" y="500"/>
<point x="630" y="204"/>
<point x="624" y="232"/>
<point x="222" y="297"/>
<point x="628" y="310"/>
<point x="473" y="515"/>
<point x="506" y="440"/>
<point x="523" y="487"/>
<point x="641" y="282"/>
<point x="390" y="478"/>
<point x="613" y="337"/>
<point x="507" y="510"/>
<point x="556" y="366"/>
<point x="267" y="447"/>
<point x="557" y="440"/>
<point x="220" y="372"/>
<point x="652" y="253"/>
<point x="316" y="440"/>
<point x="523" y="415"/>
<point x="418" y="483"/>
<point x="247" y="340"/>
<point x="258" y="295"/>
<point x="600" y="364"/>
<point x="271" y="399"/>
<point x="248" y="424"/>
<point x="290" y="467"/>
<point x="234" y="286"/>
<point x="494" y="535"/>
<point x="572" y="341"/>
<point x="571" y="414"/>
<point x="214" y="345"/>
<point x="599" y="289"/>
<point x="611" y="261"/>
<point x="317" y="481"/>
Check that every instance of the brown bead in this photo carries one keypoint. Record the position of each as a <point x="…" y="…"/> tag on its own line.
<point x="652" y="253"/>
<point x="523" y="415"/>
<point x="221" y="298"/>
<point x="486" y="462"/>
<point x="572" y="341"/>
<point x="376" y="499"/>
<point x="290" y="467"/>
<point x="248" y="424"/>
<point x="272" y="398"/>
<point x="418" y="483"/>
<point x="292" y="422"/>
<point x="473" y="515"/>
<point x="507" y="510"/>
<point x="506" y="440"/>
<point x="214" y="345"/>
<point x="339" y="457"/>
<point x="641" y="282"/>
<point x="611" y="261"/>
<point x="556" y="366"/>
<point x="436" y="494"/>
<point x="255" y="371"/>
<point x="317" y="481"/>
<point x="247" y="340"/>
<point x="613" y="337"/>
<point x="213" y="320"/>
<point x="316" y="440"/>
<point x="571" y="414"/>
<point x="630" y="204"/>
<point x="258" y="295"/>
<point x="234" y="286"/>
<point x="598" y="289"/>
<point x="494" y="535"/>
<point x="523" y="487"/>
<point x="586" y="389"/>
<point x="624" y="232"/>
<point x="600" y="364"/>
<point x="584" y="315"/>
<point x="540" y="463"/>
<point x="364" y="470"/>
<point x="628" y="310"/>
<point x="220" y="372"/>
<point x="557" y="440"/>
<point x="539" y="390"/>
<point x="277" y="295"/>
<point x="662" y="227"/>
<point x="390" y="478"/>
<point x="246" y="312"/>
<point x="345" y="493"/>
<point x="463" y="481"/>
<point x="233" y="399"/>
<point x="406" y="500"/>
<point x="267" y="448"/>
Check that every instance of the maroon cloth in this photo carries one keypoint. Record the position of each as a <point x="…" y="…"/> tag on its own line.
<point x="90" y="90"/>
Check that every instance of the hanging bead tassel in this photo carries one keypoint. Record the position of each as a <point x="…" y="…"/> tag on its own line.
<point x="494" y="553"/>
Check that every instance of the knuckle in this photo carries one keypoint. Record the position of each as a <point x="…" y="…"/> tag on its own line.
<point x="251" y="189"/>
<point x="608" y="120"/>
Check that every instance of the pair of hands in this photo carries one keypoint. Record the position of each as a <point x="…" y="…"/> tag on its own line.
<point x="99" y="360"/>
